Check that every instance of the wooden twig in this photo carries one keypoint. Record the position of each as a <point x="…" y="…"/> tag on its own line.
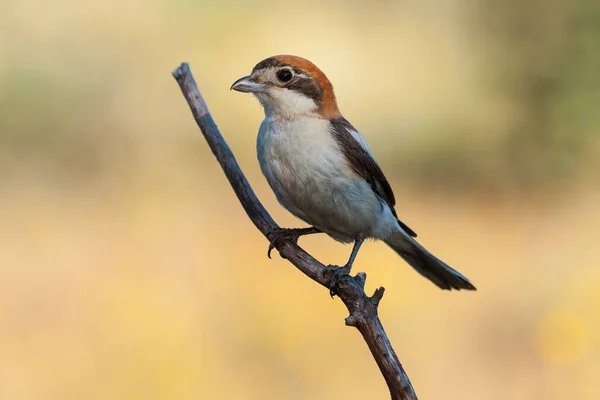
<point x="350" y="289"/>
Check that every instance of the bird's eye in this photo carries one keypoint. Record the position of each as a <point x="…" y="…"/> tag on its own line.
<point x="285" y="75"/>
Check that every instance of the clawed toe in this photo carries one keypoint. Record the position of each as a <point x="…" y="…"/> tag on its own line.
<point x="337" y="273"/>
<point x="280" y="235"/>
<point x="276" y="238"/>
<point x="271" y="247"/>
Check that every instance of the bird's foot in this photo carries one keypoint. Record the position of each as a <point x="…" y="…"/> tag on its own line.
<point x="280" y="235"/>
<point x="336" y="273"/>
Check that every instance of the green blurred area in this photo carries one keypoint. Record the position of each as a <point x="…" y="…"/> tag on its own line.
<point x="129" y="270"/>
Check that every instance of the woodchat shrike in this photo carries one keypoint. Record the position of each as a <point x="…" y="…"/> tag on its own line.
<point x="322" y="169"/>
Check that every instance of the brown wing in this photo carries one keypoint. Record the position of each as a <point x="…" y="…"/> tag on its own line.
<point x="365" y="165"/>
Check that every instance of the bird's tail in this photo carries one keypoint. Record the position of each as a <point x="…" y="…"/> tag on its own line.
<point x="427" y="264"/>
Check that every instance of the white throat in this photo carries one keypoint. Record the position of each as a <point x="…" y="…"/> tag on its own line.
<point x="285" y="103"/>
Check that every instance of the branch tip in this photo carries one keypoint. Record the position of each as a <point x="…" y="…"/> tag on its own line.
<point x="376" y="298"/>
<point x="178" y="72"/>
<point x="361" y="278"/>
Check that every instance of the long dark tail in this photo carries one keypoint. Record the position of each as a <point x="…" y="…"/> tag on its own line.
<point x="427" y="264"/>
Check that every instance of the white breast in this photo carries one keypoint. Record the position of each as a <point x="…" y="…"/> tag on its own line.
<point x="312" y="179"/>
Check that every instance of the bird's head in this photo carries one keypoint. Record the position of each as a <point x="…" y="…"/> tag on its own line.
<point x="289" y="87"/>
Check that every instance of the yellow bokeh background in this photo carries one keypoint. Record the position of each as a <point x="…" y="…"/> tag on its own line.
<point x="128" y="269"/>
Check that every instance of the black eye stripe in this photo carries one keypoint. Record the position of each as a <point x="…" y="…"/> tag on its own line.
<point x="308" y="87"/>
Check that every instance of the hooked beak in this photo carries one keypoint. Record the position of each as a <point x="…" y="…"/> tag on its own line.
<point x="247" y="85"/>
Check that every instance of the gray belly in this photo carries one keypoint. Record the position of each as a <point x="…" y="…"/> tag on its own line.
<point x="345" y="209"/>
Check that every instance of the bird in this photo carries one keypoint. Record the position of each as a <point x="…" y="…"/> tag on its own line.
<point x="323" y="171"/>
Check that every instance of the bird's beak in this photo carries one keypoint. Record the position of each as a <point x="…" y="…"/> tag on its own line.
<point x="247" y="85"/>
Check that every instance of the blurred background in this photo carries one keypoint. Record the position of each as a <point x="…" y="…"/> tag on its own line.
<point x="128" y="269"/>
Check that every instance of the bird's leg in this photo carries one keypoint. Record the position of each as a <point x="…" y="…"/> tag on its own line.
<point x="339" y="272"/>
<point x="279" y="235"/>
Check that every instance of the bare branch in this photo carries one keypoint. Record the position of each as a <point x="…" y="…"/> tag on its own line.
<point x="362" y="308"/>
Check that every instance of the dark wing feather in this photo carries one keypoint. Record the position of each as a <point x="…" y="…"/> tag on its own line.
<point x="364" y="165"/>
